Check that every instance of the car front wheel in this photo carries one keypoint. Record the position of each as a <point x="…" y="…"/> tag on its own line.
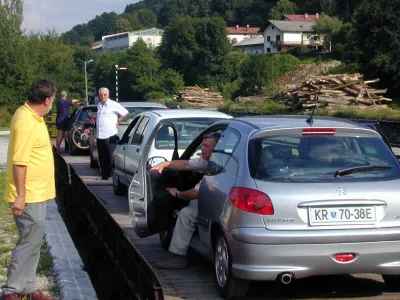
<point x="118" y="187"/>
<point x="228" y="286"/>
<point x="392" y="282"/>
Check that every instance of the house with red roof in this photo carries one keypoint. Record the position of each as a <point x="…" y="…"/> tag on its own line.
<point x="301" y="18"/>
<point x="280" y="35"/>
<point x="238" y="33"/>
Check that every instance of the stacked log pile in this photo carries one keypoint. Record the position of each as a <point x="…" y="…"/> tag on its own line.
<point x="329" y="91"/>
<point x="202" y="98"/>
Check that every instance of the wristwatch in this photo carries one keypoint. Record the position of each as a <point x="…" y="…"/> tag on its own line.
<point x="177" y="194"/>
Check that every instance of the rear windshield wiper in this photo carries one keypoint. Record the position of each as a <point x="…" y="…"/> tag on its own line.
<point x="344" y="172"/>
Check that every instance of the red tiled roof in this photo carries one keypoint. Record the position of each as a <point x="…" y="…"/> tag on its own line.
<point x="301" y="18"/>
<point x="242" y="30"/>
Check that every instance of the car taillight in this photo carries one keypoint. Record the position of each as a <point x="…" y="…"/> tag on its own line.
<point x="251" y="201"/>
<point x="344" y="257"/>
<point x="319" y="131"/>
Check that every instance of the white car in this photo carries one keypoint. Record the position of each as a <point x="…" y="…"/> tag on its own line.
<point x="151" y="135"/>
<point x="134" y="109"/>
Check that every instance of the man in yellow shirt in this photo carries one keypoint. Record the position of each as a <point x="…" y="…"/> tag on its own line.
<point x="30" y="183"/>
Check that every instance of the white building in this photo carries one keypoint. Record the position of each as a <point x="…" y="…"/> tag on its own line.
<point x="121" y="41"/>
<point x="252" y="45"/>
<point x="237" y="33"/>
<point x="281" y="35"/>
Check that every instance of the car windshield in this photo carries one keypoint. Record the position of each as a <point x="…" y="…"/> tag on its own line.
<point x="321" y="158"/>
<point x="188" y="129"/>
<point x="85" y="113"/>
<point x="134" y="111"/>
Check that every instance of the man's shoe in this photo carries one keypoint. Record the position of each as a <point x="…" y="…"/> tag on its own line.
<point x="174" y="263"/>
<point x="37" y="295"/>
<point x="13" y="296"/>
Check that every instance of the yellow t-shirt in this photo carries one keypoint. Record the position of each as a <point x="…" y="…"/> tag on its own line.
<point x="30" y="146"/>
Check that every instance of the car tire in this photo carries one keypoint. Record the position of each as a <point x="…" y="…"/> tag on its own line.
<point x="94" y="164"/>
<point x="166" y="237"/>
<point x="118" y="187"/>
<point x="71" y="149"/>
<point x="392" y="282"/>
<point x="66" y="145"/>
<point x="228" y="286"/>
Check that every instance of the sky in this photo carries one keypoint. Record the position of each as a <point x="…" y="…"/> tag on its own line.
<point x="62" y="15"/>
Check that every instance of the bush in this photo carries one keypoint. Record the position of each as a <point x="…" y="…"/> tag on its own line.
<point x="229" y="90"/>
<point x="345" y="69"/>
<point x="298" y="50"/>
<point x="153" y="96"/>
<point x="5" y="117"/>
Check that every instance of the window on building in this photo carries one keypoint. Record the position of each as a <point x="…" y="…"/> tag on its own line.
<point x="268" y="50"/>
<point x="268" y="38"/>
<point x="278" y="38"/>
<point x="273" y="27"/>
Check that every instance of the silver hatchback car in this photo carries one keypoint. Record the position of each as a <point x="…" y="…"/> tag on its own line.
<point x="283" y="198"/>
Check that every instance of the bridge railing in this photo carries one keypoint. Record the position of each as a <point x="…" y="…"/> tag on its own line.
<point x="140" y="281"/>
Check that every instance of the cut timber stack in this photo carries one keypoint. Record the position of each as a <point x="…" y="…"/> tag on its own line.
<point x="202" y="98"/>
<point x="332" y="90"/>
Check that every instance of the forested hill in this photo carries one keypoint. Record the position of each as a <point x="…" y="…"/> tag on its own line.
<point x="158" y="13"/>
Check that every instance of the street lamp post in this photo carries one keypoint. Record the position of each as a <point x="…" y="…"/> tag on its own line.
<point x="86" y="91"/>
<point x="117" y="67"/>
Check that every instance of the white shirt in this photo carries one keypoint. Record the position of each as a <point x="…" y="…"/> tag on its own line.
<point x="198" y="164"/>
<point x="107" y="118"/>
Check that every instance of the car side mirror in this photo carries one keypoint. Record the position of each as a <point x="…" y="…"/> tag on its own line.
<point x="155" y="160"/>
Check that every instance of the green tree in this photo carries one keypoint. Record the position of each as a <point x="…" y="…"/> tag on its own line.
<point x="170" y="9"/>
<point x="282" y="8"/>
<point x="125" y="23"/>
<point x="328" y="27"/>
<point x="146" y="17"/>
<point x="197" y="48"/>
<point x="12" y="81"/>
<point x="328" y="7"/>
<point x="377" y="40"/>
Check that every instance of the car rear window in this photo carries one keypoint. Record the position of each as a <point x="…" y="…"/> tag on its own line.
<point x="187" y="128"/>
<point x="321" y="158"/>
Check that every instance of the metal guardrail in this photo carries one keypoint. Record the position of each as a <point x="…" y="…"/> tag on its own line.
<point x="140" y="280"/>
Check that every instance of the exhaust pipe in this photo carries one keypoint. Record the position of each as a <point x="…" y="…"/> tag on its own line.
<point x="285" y="278"/>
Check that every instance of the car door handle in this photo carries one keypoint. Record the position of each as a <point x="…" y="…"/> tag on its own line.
<point x="137" y="150"/>
<point x="123" y="148"/>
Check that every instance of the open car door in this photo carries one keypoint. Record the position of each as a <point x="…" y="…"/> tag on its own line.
<point x="150" y="204"/>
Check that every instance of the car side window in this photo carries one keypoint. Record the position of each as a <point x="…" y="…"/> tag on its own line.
<point x="140" y="131"/>
<point x="129" y="131"/>
<point x="223" y="151"/>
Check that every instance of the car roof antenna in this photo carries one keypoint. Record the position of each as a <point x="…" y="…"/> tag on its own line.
<point x="310" y="120"/>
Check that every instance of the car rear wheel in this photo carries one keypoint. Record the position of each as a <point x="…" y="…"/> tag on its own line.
<point x="228" y="286"/>
<point x="165" y="237"/>
<point x="392" y="282"/>
<point x="118" y="187"/>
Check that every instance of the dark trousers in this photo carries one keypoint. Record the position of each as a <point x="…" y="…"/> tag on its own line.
<point x="106" y="148"/>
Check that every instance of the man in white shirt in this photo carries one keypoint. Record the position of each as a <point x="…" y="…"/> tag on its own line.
<point x="187" y="218"/>
<point x="109" y="114"/>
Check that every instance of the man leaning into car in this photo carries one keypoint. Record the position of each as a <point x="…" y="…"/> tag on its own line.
<point x="109" y="114"/>
<point x="187" y="218"/>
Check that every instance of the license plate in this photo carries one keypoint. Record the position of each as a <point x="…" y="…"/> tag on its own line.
<point x="342" y="215"/>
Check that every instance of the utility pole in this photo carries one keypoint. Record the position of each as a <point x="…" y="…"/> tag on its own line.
<point x="117" y="67"/>
<point x="86" y="91"/>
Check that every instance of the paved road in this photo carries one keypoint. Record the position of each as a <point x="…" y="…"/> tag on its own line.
<point x="3" y="148"/>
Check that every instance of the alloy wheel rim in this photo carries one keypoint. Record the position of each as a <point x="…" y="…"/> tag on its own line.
<point x="221" y="262"/>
